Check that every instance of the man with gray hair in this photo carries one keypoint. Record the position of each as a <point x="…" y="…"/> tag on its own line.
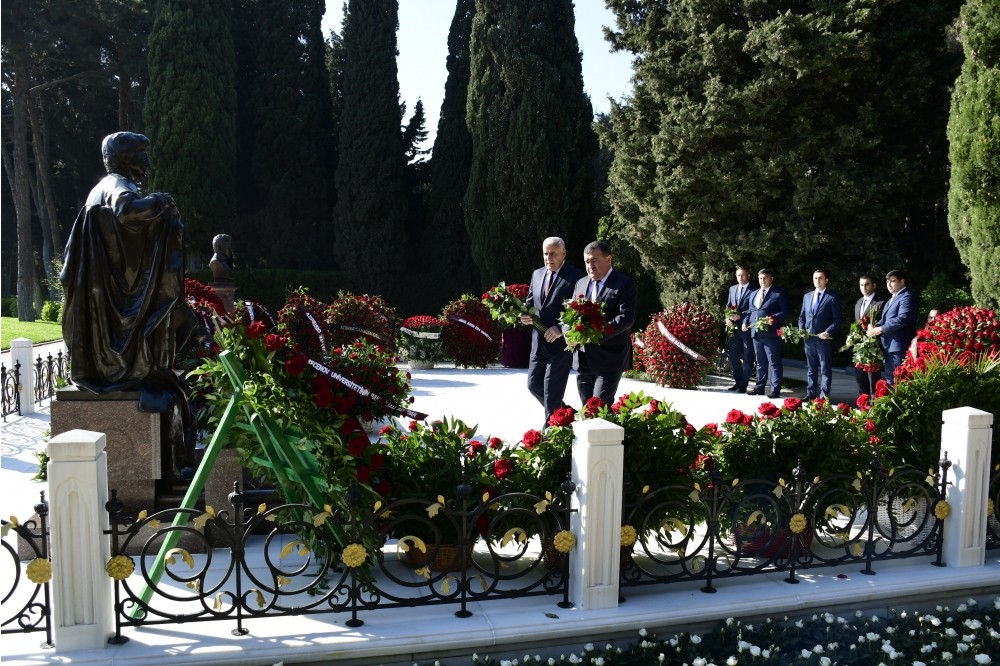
<point x="550" y="363"/>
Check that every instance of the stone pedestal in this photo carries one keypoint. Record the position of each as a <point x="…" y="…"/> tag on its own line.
<point x="133" y="440"/>
<point x="227" y="294"/>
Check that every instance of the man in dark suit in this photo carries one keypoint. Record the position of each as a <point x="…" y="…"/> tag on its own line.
<point x="767" y="303"/>
<point x="601" y="366"/>
<point x="550" y="363"/>
<point x="821" y="317"/>
<point x="740" y="344"/>
<point x="867" y="308"/>
<point x="897" y="324"/>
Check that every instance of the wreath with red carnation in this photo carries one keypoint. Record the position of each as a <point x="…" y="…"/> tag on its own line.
<point x="205" y="303"/>
<point x="471" y="337"/>
<point x="301" y="321"/>
<point x="962" y="333"/>
<point x="366" y="317"/>
<point x="422" y="337"/>
<point x="678" y="345"/>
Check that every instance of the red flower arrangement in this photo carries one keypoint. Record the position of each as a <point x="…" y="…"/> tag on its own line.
<point x="354" y="316"/>
<point x="678" y="345"/>
<point x="584" y="322"/>
<point x="203" y="298"/>
<point x="379" y="387"/>
<point x="471" y="337"/>
<point x="963" y="334"/>
<point x="422" y="336"/>
<point x="506" y="305"/>
<point x="301" y="320"/>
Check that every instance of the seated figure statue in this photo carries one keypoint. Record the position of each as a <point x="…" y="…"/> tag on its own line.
<point x="125" y="315"/>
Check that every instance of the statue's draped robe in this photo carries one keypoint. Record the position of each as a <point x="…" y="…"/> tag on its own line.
<point x="125" y="314"/>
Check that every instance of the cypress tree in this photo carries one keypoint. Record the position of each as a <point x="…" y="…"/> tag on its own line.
<point x="452" y="273"/>
<point x="290" y="109"/>
<point x="768" y="133"/>
<point x="974" y="134"/>
<point x="369" y="220"/>
<point x="190" y="117"/>
<point x="532" y="138"/>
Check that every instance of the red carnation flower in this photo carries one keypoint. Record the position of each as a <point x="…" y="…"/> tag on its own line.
<point x="562" y="416"/>
<point x="502" y="468"/>
<point x="357" y="445"/>
<point x="273" y="342"/>
<point x="881" y="388"/>
<point x="495" y="442"/>
<point x="690" y="430"/>
<point x="324" y="398"/>
<point x="863" y="402"/>
<point x="870" y="425"/>
<point x="531" y="439"/>
<point x="385" y="430"/>
<point x="592" y="407"/>
<point x="363" y="474"/>
<point x="413" y="425"/>
<point x="256" y="330"/>
<point x="295" y="364"/>
<point x="475" y="448"/>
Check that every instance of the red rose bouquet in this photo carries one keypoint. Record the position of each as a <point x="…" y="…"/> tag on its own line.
<point x="678" y="345"/>
<point x="584" y="322"/>
<point x="866" y="351"/>
<point x="354" y="316"/>
<point x="730" y="317"/>
<point x="793" y="334"/>
<point x="506" y="305"/>
<point x="763" y="324"/>
<point x="471" y="337"/>
<point x="963" y="334"/>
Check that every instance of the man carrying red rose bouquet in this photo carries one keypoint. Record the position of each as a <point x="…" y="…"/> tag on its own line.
<point x="601" y="365"/>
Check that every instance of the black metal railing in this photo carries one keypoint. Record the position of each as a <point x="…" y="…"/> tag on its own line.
<point x="49" y="373"/>
<point x="27" y="602"/>
<point x="10" y="384"/>
<point x="295" y="560"/>
<point x="743" y="527"/>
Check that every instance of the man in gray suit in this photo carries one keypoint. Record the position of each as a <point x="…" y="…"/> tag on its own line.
<point x="550" y="363"/>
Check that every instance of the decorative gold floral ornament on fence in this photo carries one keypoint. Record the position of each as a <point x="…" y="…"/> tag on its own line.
<point x="354" y="555"/>
<point x="120" y="567"/>
<point x="797" y="523"/>
<point x="942" y="510"/>
<point x="39" y="571"/>
<point x="628" y="536"/>
<point x="990" y="507"/>
<point x="564" y="541"/>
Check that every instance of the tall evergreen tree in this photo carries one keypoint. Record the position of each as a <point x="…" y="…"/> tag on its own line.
<point x="370" y="215"/>
<point x="290" y="134"/>
<point x="974" y="133"/>
<point x="452" y="272"/>
<point x="532" y="138"/>
<point x="190" y="117"/>
<point x="767" y="132"/>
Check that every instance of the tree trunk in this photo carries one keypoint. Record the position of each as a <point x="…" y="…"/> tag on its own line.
<point x="20" y="184"/>
<point x="52" y="242"/>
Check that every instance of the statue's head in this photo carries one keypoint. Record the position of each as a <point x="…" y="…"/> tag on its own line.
<point x="223" y="244"/>
<point x="126" y="154"/>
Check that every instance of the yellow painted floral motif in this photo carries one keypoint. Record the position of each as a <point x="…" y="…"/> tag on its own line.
<point x="354" y="555"/>
<point x="628" y="536"/>
<point x="942" y="510"/>
<point x="564" y="541"/>
<point x="797" y="523"/>
<point x="120" y="567"/>
<point x="990" y="507"/>
<point x="39" y="571"/>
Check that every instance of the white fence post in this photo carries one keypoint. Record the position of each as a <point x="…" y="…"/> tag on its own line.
<point x="82" y="613"/>
<point x="966" y="435"/>
<point x="20" y="352"/>
<point x="598" y="456"/>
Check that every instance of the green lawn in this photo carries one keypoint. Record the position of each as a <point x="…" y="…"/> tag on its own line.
<point x="36" y="331"/>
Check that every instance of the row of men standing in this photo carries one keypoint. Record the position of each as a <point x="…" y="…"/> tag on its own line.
<point x="893" y="322"/>
<point x="600" y="366"/>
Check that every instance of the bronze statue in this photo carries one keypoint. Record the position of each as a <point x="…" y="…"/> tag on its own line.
<point x="222" y="261"/>
<point x="125" y="315"/>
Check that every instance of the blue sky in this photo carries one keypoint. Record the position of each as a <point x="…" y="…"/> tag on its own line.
<point x="423" y="52"/>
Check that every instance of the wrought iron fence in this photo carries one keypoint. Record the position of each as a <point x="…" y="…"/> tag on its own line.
<point x="26" y="604"/>
<point x="10" y="384"/>
<point x="751" y="526"/>
<point x="293" y="559"/>
<point x="48" y="374"/>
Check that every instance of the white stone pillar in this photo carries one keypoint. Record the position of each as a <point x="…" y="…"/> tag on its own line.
<point x="20" y="352"/>
<point x="966" y="435"/>
<point x="82" y="613"/>
<point x="598" y="457"/>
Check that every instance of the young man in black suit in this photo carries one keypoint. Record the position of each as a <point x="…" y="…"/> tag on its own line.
<point x="601" y="366"/>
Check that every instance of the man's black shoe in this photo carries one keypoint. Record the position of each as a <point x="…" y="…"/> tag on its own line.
<point x="756" y="391"/>
<point x="734" y="387"/>
<point x="774" y="395"/>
